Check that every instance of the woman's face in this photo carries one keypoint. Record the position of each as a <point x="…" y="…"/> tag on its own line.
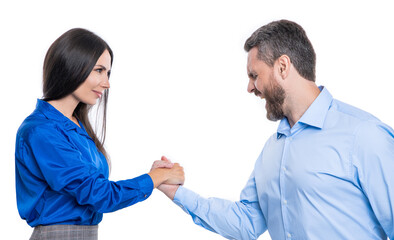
<point x="93" y="87"/>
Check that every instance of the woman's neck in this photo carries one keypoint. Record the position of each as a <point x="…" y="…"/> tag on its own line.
<point x="66" y="106"/>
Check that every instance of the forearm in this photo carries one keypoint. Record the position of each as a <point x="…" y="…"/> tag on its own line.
<point x="108" y="196"/>
<point x="168" y="190"/>
<point x="233" y="220"/>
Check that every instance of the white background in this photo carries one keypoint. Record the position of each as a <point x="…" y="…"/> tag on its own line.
<point x="178" y="88"/>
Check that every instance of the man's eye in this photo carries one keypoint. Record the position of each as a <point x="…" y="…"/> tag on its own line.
<point x="252" y="76"/>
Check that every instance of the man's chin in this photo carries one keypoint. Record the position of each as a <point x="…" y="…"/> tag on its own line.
<point x="273" y="115"/>
<point x="273" y="118"/>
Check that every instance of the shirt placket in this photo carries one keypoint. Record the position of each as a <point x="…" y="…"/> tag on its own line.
<point x="282" y="181"/>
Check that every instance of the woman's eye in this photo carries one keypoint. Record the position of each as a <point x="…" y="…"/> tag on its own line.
<point x="99" y="70"/>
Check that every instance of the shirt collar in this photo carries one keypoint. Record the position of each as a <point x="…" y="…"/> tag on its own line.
<point x="50" y="112"/>
<point x="314" y="116"/>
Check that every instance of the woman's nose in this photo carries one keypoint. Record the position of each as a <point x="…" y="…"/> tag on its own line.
<point x="105" y="84"/>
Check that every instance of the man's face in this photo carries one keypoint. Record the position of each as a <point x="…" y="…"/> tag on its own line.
<point x="263" y="84"/>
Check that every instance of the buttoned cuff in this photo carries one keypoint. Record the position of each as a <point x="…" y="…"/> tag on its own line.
<point x="186" y="199"/>
<point x="146" y="185"/>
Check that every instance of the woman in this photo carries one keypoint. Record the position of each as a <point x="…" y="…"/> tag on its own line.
<point x="62" y="167"/>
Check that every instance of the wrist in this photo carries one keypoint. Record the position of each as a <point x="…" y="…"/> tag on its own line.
<point x="172" y="196"/>
<point x="158" y="176"/>
<point x="169" y="190"/>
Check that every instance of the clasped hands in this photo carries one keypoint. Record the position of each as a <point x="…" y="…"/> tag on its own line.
<point x="167" y="176"/>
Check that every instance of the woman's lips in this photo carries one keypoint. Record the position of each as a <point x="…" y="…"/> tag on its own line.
<point x="98" y="93"/>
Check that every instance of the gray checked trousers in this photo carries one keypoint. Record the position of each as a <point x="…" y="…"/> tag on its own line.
<point x="65" y="232"/>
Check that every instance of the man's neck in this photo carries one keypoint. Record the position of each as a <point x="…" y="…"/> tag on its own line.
<point x="298" y="101"/>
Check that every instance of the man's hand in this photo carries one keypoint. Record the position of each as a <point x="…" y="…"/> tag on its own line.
<point x="168" y="189"/>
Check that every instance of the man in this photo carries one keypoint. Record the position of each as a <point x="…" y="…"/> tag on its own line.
<point x="327" y="173"/>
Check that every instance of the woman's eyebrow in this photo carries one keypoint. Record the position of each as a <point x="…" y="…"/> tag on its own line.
<point x="101" y="66"/>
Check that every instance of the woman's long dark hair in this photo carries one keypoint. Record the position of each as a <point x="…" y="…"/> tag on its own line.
<point x="68" y="63"/>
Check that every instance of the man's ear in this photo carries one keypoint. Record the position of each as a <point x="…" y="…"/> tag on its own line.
<point x="283" y="66"/>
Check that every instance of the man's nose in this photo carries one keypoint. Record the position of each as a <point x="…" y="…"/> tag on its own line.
<point x="251" y="87"/>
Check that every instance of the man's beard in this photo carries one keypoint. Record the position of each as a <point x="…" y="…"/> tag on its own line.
<point x="274" y="98"/>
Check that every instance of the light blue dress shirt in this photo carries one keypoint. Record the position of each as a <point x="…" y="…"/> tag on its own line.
<point x="62" y="178"/>
<point x="330" y="176"/>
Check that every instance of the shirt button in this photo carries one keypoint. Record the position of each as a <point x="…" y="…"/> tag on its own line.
<point x="288" y="235"/>
<point x="285" y="202"/>
<point x="145" y="196"/>
<point x="284" y="169"/>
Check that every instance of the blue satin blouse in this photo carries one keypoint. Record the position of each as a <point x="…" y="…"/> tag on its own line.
<point x="62" y="178"/>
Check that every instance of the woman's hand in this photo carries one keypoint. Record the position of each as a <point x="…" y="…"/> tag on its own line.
<point x="176" y="176"/>
<point x="168" y="189"/>
<point x="166" y="172"/>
